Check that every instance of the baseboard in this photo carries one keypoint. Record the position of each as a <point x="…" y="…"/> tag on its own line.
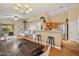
<point x="52" y="45"/>
<point x="75" y="41"/>
<point x="58" y="47"/>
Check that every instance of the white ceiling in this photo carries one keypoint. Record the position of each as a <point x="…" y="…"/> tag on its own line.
<point x="6" y="9"/>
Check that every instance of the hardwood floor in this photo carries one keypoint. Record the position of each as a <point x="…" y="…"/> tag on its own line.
<point x="9" y="48"/>
<point x="69" y="48"/>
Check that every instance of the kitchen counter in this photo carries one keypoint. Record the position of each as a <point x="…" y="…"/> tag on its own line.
<point x="56" y="34"/>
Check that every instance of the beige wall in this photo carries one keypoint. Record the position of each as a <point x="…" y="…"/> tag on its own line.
<point x="33" y="25"/>
<point x="59" y="17"/>
<point x="18" y="27"/>
<point x="73" y="13"/>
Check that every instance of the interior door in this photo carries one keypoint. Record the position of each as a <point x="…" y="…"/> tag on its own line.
<point x="78" y="30"/>
<point x="73" y="30"/>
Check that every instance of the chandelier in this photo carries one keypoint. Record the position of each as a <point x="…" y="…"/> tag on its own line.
<point x="22" y="8"/>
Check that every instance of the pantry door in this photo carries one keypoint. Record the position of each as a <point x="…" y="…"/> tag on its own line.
<point x="77" y="30"/>
<point x="73" y="30"/>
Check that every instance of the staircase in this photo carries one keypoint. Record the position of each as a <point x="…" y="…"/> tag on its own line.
<point x="18" y="27"/>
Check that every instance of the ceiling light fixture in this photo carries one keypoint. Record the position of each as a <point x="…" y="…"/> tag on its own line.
<point x="23" y="8"/>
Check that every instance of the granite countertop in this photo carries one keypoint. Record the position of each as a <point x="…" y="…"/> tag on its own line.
<point x="48" y="31"/>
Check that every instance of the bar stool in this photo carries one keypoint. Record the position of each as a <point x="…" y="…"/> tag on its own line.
<point x="51" y="40"/>
<point x="39" y="38"/>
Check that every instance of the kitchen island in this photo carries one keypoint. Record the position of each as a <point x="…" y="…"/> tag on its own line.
<point x="56" y="34"/>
